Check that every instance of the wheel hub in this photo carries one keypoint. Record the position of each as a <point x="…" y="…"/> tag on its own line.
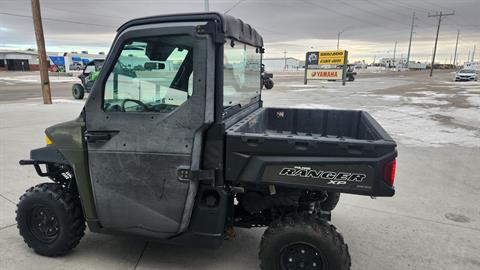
<point x="301" y="256"/>
<point x="44" y="224"/>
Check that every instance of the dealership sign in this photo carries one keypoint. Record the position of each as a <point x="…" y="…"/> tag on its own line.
<point x="326" y="65"/>
<point x="325" y="74"/>
<point x="326" y="58"/>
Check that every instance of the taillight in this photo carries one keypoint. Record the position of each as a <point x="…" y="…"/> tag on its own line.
<point x="389" y="172"/>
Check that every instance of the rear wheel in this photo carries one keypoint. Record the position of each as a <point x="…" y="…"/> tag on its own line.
<point x="50" y="219"/>
<point x="302" y="241"/>
<point x="77" y="91"/>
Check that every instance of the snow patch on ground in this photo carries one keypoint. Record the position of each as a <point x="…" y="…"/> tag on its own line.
<point x="424" y="100"/>
<point x="415" y="126"/>
<point x="302" y="90"/>
<point x="432" y="94"/>
<point x="301" y="85"/>
<point x="391" y="97"/>
<point x="474" y="100"/>
<point x="71" y="101"/>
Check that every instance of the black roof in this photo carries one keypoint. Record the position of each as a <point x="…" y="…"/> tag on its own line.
<point x="230" y="26"/>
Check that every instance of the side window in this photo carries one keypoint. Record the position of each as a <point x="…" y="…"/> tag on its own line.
<point x="89" y="68"/>
<point x="151" y="75"/>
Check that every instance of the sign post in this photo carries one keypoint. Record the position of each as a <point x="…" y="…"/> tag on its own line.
<point x="324" y="65"/>
<point x="345" y="68"/>
<point x="306" y="67"/>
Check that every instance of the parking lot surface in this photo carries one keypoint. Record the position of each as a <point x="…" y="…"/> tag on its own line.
<point x="433" y="221"/>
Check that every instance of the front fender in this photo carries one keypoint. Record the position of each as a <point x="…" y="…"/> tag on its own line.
<point x="69" y="148"/>
<point x="48" y="154"/>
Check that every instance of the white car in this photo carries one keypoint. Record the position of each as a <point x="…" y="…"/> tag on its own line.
<point x="466" y="75"/>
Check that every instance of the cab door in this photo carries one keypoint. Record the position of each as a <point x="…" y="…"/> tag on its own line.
<point x="144" y="121"/>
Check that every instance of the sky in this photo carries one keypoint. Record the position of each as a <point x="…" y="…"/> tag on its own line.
<point x="369" y="28"/>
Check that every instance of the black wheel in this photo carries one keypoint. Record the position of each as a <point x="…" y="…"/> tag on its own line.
<point x="304" y="242"/>
<point x="50" y="219"/>
<point x="77" y="91"/>
<point x="331" y="202"/>
<point x="268" y="83"/>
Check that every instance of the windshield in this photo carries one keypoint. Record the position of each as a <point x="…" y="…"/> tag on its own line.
<point x="467" y="71"/>
<point x="241" y="74"/>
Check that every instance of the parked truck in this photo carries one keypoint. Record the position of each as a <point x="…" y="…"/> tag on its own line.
<point x="184" y="155"/>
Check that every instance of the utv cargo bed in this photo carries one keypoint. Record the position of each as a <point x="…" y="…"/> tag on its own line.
<point x="334" y="150"/>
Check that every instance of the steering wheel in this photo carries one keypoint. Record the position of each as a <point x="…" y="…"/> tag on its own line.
<point x="145" y="106"/>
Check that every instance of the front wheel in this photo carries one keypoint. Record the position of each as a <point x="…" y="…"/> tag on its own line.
<point x="302" y="241"/>
<point x="50" y="219"/>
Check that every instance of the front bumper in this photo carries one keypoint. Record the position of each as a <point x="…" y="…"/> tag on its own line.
<point x="465" y="79"/>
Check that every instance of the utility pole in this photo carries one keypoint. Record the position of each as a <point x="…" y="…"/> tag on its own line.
<point x="468" y="57"/>
<point x="394" y="52"/>
<point x="338" y="40"/>
<point x="456" y="47"/>
<point x="42" y="54"/>
<point x="410" y="42"/>
<point x="473" y="53"/>
<point x="439" y="15"/>
<point x="285" y="59"/>
<point x="207" y="6"/>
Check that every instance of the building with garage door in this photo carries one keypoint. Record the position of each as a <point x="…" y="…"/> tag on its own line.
<point x="18" y="60"/>
<point x="27" y="60"/>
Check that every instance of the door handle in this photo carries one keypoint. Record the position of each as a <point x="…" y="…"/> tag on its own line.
<point x="98" y="136"/>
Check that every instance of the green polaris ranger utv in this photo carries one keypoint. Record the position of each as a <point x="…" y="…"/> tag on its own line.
<point x="174" y="144"/>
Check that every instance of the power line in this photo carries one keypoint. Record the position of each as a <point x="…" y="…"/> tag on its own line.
<point x="234" y="6"/>
<point x="83" y="13"/>
<point x="407" y="8"/>
<point x="325" y="7"/>
<point x="368" y="11"/>
<point x="55" y="20"/>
